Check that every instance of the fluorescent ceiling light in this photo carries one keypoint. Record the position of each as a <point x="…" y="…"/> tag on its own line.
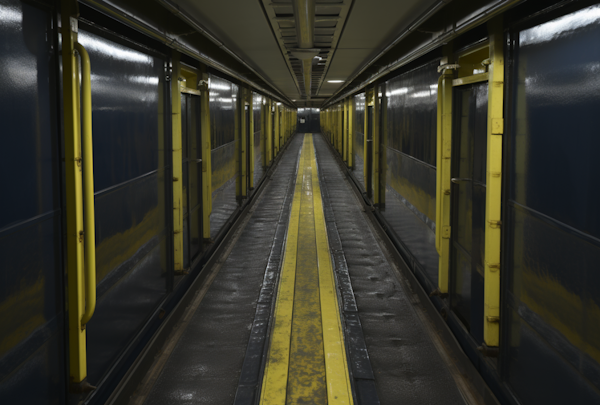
<point x="335" y="81"/>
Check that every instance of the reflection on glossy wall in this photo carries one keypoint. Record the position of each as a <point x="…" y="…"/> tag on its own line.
<point x="224" y="104"/>
<point x="553" y="224"/>
<point x="358" y="144"/>
<point x="128" y="132"/>
<point x="32" y="368"/>
<point x="409" y="147"/>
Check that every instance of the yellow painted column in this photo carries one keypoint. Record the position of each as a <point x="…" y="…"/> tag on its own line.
<point x="269" y="129"/>
<point x="493" y="196"/>
<point x="206" y="154"/>
<point x="73" y="195"/>
<point x="351" y="123"/>
<point x="263" y="134"/>
<point x="340" y="129"/>
<point x="177" y="164"/>
<point x="368" y="100"/>
<point x="443" y="175"/>
<point x="276" y="128"/>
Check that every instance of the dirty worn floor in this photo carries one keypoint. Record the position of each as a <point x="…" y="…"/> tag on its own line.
<point x="308" y="300"/>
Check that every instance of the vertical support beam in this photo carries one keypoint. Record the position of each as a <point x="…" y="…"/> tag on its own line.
<point x="351" y="123"/>
<point x="366" y="158"/>
<point x="339" y="129"/>
<point x="206" y="154"/>
<point x="269" y="129"/>
<point x="73" y="195"/>
<point x="251" y="140"/>
<point x="443" y="158"/>
<point x="493" y="195"/>
<point x="375" y="143"/>
<point x="177" y="164"/>
<point x="284" y="125"/>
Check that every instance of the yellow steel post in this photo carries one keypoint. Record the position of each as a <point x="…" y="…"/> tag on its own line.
<point x="251" y="139"/>
<point x="263" y="133"/>
<point x="333" y="126"/>
<point x="89" y="235"/>
<point x="491" y="326"/>
<point x="368" y="100"/>
<point x="284" y="125"/>
<point x="351" y="114"/>
<point x="276" y="128"/>
<point x="206" y="153"/>
<point x="340" y="128"/>
<point x="73" y="194"/>
<point x="444" y="149"/>
<point x="177" y="164"/>
<point x="269" y="130"/>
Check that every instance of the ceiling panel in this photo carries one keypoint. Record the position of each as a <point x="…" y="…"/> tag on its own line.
<point x="262" y="32"/>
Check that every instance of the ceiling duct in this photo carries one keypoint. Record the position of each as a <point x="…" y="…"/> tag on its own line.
<point x="304" y="14"/>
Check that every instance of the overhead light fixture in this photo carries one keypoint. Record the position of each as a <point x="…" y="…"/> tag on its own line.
<point x="335" y="81"/>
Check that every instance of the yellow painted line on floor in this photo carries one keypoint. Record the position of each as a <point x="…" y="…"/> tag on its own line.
<point x="306" y="379"/>
<point x="306" y="362"/>
<point x="339" y="390"/>
<point x="274" y="388"/>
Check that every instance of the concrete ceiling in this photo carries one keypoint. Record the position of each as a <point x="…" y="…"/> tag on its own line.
<point x="248" y="28"/>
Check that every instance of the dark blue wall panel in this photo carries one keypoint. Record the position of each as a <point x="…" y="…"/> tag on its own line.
<point x="131" y="251"/>
<point x="553" y="224"/>
<point x="32" y="368"/>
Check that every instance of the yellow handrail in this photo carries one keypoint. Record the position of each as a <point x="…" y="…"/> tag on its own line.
<point x="439" y="188"/>
<point x="88" y="186"/>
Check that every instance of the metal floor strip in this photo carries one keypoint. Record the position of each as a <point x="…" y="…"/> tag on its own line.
<point x="248" y="390"/>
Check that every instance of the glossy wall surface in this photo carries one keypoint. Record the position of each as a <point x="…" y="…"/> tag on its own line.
<point x="32" y="367"/>
<point x="309" y="120"/>
<point x="408" y="145"/>
<point x="191" y="141"/>
<point x="129" y="171"/>
<point x="358" y="145"/>
<point x="257" y="101"/>
<point x="552" y="221"/>
<point x="223" y="102"/>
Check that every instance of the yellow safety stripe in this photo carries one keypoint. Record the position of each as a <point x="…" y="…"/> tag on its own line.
<point x="339" y="390"/>
<point x="307" y="358"/>
<point x="306" y="378"/>
<point x="276" y="370"/>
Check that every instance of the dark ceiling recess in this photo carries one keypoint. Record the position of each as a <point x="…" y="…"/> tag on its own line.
<point x="329" y="19"/>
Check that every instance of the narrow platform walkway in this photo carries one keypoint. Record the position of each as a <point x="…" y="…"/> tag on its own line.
<point x="306" y="362"/>
<point x="305" y="309"/>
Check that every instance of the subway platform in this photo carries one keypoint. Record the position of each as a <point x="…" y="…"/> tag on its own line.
<point x="305" y="305"/>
